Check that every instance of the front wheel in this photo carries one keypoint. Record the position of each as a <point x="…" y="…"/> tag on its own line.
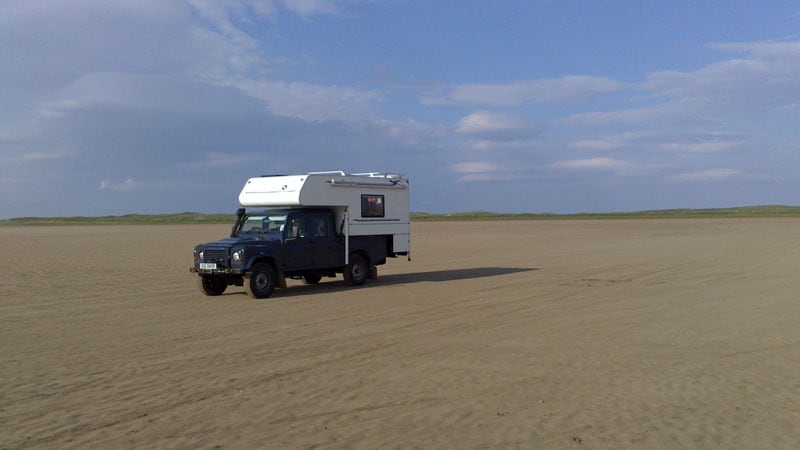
<point x="211" y="285"/>
<point x="261" y="281"/>
<point x="355" y="274"/>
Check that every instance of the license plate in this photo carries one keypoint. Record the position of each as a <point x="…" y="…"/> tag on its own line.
<point x="208" y="266"/>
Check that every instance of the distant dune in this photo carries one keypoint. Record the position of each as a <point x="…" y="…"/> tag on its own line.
<point x="199" y="218"/>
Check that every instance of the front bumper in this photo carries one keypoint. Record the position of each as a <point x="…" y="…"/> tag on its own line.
<point x="218" y="271"/>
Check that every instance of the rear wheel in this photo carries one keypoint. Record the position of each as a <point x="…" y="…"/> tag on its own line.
<point x="355" y="274"/>
<point x="211" y="285"/>
<point x="261" y="281"/>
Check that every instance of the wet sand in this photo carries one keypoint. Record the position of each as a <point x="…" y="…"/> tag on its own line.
<point x="519" y="334"/>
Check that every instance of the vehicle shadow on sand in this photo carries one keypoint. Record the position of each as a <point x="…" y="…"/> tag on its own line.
<point x="446" y="275"/>
<point x="338" y="285"/>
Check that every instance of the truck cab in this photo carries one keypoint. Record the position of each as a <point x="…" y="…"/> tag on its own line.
<point x="268" y="245"/>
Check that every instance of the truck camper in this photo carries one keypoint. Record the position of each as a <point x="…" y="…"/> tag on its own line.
<point x="307" y="227"/>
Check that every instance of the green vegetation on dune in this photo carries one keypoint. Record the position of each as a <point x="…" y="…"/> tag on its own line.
<point x="745" y="211"/>
<point x="127" y="219"/>
<point x="189" y="218"/>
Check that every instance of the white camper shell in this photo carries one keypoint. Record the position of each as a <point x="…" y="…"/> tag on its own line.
<point x="364" y="203"/>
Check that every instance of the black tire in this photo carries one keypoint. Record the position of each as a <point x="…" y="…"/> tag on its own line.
<point x="311" y="278"/>
<point x="355" y="274"/>
<point x="211" y="285"/>
<point x="261" y="281"/>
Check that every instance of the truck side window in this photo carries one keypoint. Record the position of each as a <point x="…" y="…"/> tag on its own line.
<point x="319" y="227"/>
<point x="297" y="228"/>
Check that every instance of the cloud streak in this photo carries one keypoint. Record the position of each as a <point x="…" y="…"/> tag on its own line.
<point x="707" y="175"/>
<point x="597" y="164"/>
<point x="569" y="88"/>
<point x="482" y="171"/>
<point x="127" y="185"/>
<point x="498" y="126"/>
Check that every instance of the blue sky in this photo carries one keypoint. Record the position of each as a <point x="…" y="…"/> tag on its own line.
<point x="561" y="106"/>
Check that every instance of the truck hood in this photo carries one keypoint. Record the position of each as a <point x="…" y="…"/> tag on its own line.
<point x="244" y="237"/>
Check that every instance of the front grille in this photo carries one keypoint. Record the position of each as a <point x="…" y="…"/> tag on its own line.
<point x="218" y="255"/>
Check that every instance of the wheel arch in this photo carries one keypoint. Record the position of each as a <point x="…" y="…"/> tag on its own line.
<point x="362" y="253"/>
<point x="263" y="258"/>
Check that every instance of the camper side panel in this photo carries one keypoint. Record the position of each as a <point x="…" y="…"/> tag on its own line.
<point x="374" y="205"/>
<point x="272" y="191"/>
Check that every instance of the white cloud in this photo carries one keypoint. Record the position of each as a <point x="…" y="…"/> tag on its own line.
<point x="498" y="126"/>
<point x="54" y="42"/>
<point x="710" y="142"/>
<point x="152" y="45"/>
<point x="482" y="171"/>
<point x="235" y="59"/>
<point x="241" y="9"/>
<point x="609" y="142"/>
<point x="229" y="10"/>
<point x="767" y="77"/>
<point x="413" y="132"/>
<point x="764" y="50"/>
<point x="300" y="100"/>
<point x="310" y="101"/>
<point x="474" y="167"/>
<point x="696" y="147"/>
<point x="596" y="164"/>
<point x="505" y="146"/>
<point x="127" y="185"/>
<point x="735" y="84"/>
<point x="310" y="7"/>
<point x="216" y="160"/>
<point x="569" y="88"/>
<point x="120" y="88"/>
<point x="35" y="157"/>
<point x="707" y="175"/>
<point x="664" y="113"/>
<point x="594" y="144"/>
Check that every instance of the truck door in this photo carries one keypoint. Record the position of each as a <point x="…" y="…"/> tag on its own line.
<point x="298" y="250"/>
<point x="326" y="246"/>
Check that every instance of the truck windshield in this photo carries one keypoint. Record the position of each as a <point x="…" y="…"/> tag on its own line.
<point x="263" y="224"/>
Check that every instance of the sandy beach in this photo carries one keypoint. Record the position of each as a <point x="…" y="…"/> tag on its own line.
<point x="510" y="334"/>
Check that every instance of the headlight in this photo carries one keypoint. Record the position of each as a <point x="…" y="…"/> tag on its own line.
<point x="237" y="256"/>
<point x="200" y="255"/>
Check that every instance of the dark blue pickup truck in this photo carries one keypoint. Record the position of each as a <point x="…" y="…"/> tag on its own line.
<point x="267" y="246"/>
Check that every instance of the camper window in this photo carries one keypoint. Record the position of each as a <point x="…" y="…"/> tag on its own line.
<point x="372" y="206"/>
